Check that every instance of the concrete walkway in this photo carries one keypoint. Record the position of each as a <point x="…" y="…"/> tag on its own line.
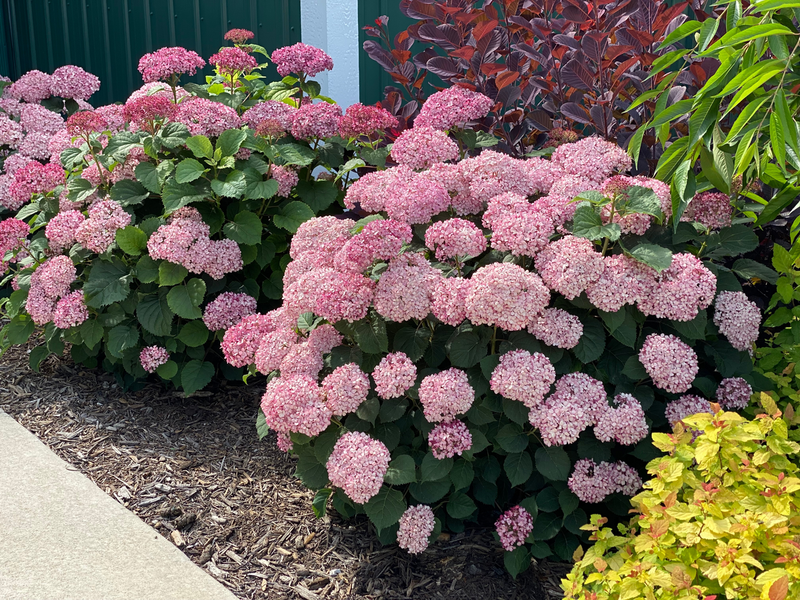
<point x="63" y="538"/>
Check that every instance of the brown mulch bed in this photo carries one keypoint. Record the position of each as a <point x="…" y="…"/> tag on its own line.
<point x="194" y="469"/>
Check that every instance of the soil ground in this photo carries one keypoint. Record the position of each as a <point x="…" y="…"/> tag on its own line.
<point x="194" y="469"/>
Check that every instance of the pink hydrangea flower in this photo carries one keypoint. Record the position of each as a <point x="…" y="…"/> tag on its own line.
<point x="62" y="229"/>
<point x="158" y="88"/>
<point x="49" y="282"/>
<point x="542" y="174"/>
<point x="320" y="120"/>
<point x="523" y="376"/>
<point x="70" y="311"/>
<point x="445" y="394"/>
<point x="36" y="118"/>
<point x="625" y="423"/>
<point x="35" y="145"/>
<point x="320" y="236"/>
<point x="449" y="300"/>
<point x="453" y="107"/>
<point x="302" y="359"/>
<point x="592" y="157"/>
<point x="421" y="147"/>
<point x="345" y="297"/>
<point x="153" y="357"/>
<point x="73" y="82"/>
<point x="712" y="209"/>
<point x="513" y="527"/>
<point x="492" y="173"/>
<point x="557" y="327"/>
<point x="416" y="526"/>
<point x="272" y="349"/>
<point x="738" y="319"/>
<point x="592" y="482"/>
<point x="449" y="438"/>
<point x="517" y="225"/>
<point x="455" y="179"/>
<point x="586" y="392"/>
<point x="394" y="375"/>
<point x="560" y="420"/>
<point x="371" y="190"/>
<point x="239" y="36"/>
<point x="686" y="406"/>
<point x="33" y="178"/>
<point x="301" y="58"/>
<point x="146" y="113"/>
<point x="98" y="232"/>
<point x="361" y="120"/>
<point x="295" y="403"/>
<point x="240" y="342"/>
<point x="345" y="389"/>
<point x="15" y="162"/>
<point x="413" y="199"/>
<point x="206" y="117"/>
<point x="680" y="291"/>
<point x="670" y="362"/>
<point x="325" y="338"/>
<point x="13" y="236"/>
<point x="379" y="240"/>
<point x="455" y="238"/>
<point x="734" y="393"/>
<point x="11" y="133"/>
<point x="166" y="63"/>
<point x="33" y="86"/>
<point x="405" y="290"/>
<point x="271" y="118"/>
<point x="286" y="178"/>
<point x="83" y="123"/>
<point x="284" y="442"/>
<point x="232" y="60"/>
<point x="227" y="309"/>
<point x="570" y="265"/>
<point x="357" y="465"/>
<point x="624" y="281"/>
<point x="505" y="295"/>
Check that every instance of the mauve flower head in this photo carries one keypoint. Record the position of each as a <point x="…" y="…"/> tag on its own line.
<point x="358" y="465"/>
<point x="11" y="132"/>
<point x="165" y="63"/>
<point x="587" y="392"/>
<point x="272" y="349"/>
<point x="405" y="290"/>
<point x="449" y="300"/>
<point x="73" y="82"/>
<point x="301" y="58"/>
<point x="449" y="438"/>
<point x="453" y="107"/>
<point x="624" y="280"/>
<point x="625" y="423"/>
<point x="455" y="180"/>
<point x="570" y="265"/>
<point x="32" y="87"/>
<point x="295" y="404"/>
<point x="412" y="198"/>
<point x="227" y="309"/>
<point x="455" y="238"/>
<point x="36" y="118"/>
<point x="592" y="157"/>
<point x="320" y="120"/>
<point x="505" y="295"/>
<point x="33" y="178"/>
<point x="114" y="115"/>
<point x="62" y="228"/>
<point x="381" y="239"/>
<point x="286" y="177"/>
<point x="542" y="174"/>
<point x="54" y="276"/>
<point x="421" y="147"/>
<point x="445" y="395"/>
<point x="85" y="122"/>
<point x="13" y="236"/>
<point x="35" y="145"/>
<point x="99" y="231"/>
<point x="592" y="482"/>
<point x="303" y="358"/>
<point x="371" y="190"/>
<point x="557" y="327"/>
<point x="738" y="319"/>
<point x="70" y="311"/>
<point x="712" y="209"/>
<point x="560" y="419"/>
<point x="153" y="357"/>
<point x="239" y="36"/>
<point x="232" y="60"/>
<point x="513" y="527"/>
<point x="686" y="406"/>
<point x="325" y="338"/>
<point x="734" y="393"/>
<point x="206" y="117"/>
<point x="148" y="111"/>
<point x="394" y="375"/>
<point x="345" y="389"/>
<point x="361" y="120"/>
<point x="517" y="225"/>
<point x="15" y="162"/>
<point x="492" y="173"/>
<point x="320" y="236"/>
<point x="270" y="118"/>
<point x="523" y="377"/>
<point x="159" y="88"/>
<point x="670" y="362"/>
<point x="680" y="291"/>
<point x="346" y="297"/>
<point x="416" y="526"/>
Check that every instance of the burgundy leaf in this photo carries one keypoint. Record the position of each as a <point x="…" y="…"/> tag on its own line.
<point x="379" y="54"/>
<point x="576" y="11"/>
<point x="409" y="109"/>
<point x="531" y="53"/>
<point x="522" y="22"/>
<point x="442" y="66"/>
<point x="568" y="41"/>
<point x="414" y="9"/>
<point x="575" y="112"/>
<point x="509" y="95"/>
<point x="594" y="45"/>
<point x="489" y="43"/>
<point x="540" y="120"/>
<point x="577" y="75"/>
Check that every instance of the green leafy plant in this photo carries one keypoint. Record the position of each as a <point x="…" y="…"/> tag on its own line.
<point x="717" y="519"/>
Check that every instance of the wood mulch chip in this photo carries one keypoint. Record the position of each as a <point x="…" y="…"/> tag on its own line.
<point x="195" y="470"/>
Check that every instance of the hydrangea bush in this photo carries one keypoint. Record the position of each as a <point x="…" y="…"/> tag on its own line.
<point x="717" y="519"/>
<point x="159" y="223"/>
<point x="495" y="342"/>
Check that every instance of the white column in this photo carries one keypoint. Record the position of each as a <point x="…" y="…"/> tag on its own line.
<point x="332" y="25"/>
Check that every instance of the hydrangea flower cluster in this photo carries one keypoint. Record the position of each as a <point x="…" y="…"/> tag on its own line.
<point x="738" y="319"/>
<point x="558" y="328"/>
<point x="49" y="282"/>
<point x="34" y="86"/>
<point x="227" y="309"/>
<point x="523" y="377"/>
<point x="345" y="389"/>
<point x="686" y="406"/>
<point x="61" y="230"/>
<point x="270" y="118"/>
<point x="422" y="147"/>
<point x="232" y="61"/>
<point x="301" y="59"/>
<point x="205" y="117"/>
<point x="454" y="238"/>
<point x="33" y="178"/>
<point x="152" y="357"/>
<point x="70" y="311"/>
<point x="318" y="120"/>
<point x="670" y="362"/>
<point x="513" y="527"/>
<point x="625" y="424"/>
<point x="449" y="438"/>
<point x="712" y="209"/>
<point x="445" y="394"/>
<point x="98" y="232"/>
<point x="13" y="237"/>
<point x="734" y="393"/>
<point x="239" y="36"/>
<point x="394" y="375"/>
<point x="361" y="120"/>
<point x="357" y="465"/>
<point x="167" y="63"/>
<point x="592" y="482"/>
<point x="453" y="107"/>
<point x="296" y="402"/>
<point x="416" y="526"/>
<point x="578" y="402"/>
<point x="73" y="82"/>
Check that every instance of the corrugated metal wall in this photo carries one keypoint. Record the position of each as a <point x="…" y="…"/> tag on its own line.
<point x="107" y="37"/>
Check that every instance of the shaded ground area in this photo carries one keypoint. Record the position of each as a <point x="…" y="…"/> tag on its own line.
<point x="195" y="470"/>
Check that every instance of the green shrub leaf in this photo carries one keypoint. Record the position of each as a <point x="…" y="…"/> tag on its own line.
<point x="293" y="215"/>
<point x="196" y="375"/>
<point x="553" y="463"/>
<point x="188" y="170"/>
<point x="385" y="508"/>
<point x="131" y="240"/>
<point x="109" y="282"/>
<point x="245" y="228"/>
<point x="518" y="467"/>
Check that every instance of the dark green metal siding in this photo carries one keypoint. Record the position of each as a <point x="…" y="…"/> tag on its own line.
<point x="371" y="75"/>
<point x="107" y="37"/>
